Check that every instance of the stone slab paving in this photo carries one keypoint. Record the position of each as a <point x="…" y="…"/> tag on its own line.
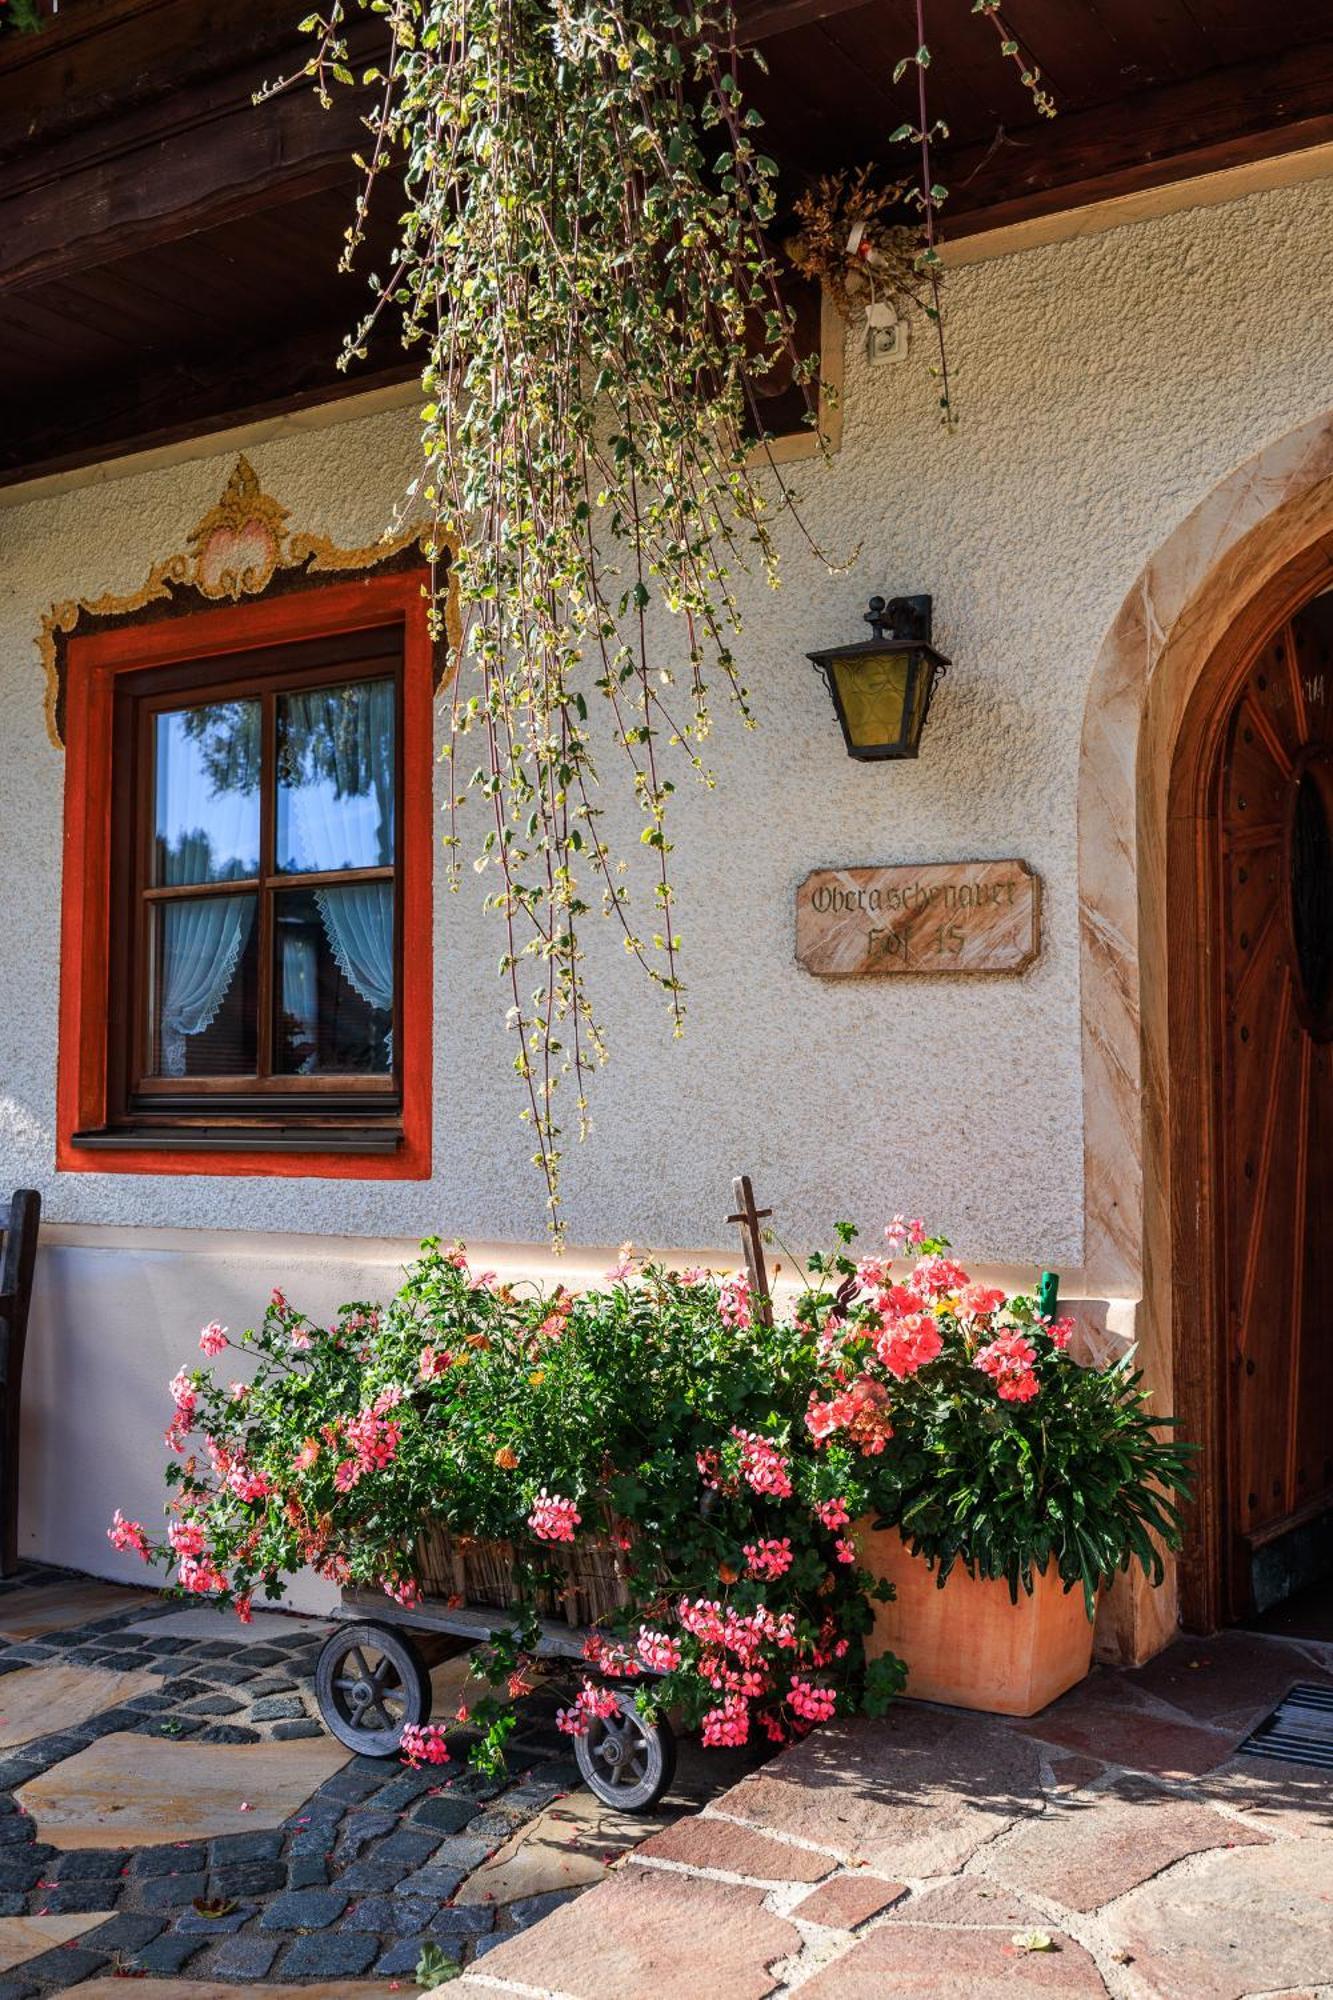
<point x="38" y="1701"/>
<point x="209" y="1989"/>
<point x="24" y="1937"/>
<point x="659" y="1936"/>
<point x="123" y="1792"/>
<point x="179" y="1815"/>
<point x="204" y="1835"/>
<point x="1114" y="1847"/>
<point x="569" y="1845"/>
<point x="27" y="1612"/>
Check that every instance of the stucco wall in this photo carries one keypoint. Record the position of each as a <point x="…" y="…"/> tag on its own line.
<point x="1104" y="386"/>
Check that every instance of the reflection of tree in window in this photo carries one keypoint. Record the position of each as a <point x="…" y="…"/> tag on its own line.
<point x="335" y="749"/>
<point x="207" y="793"/>
<point x="229" y="737"/>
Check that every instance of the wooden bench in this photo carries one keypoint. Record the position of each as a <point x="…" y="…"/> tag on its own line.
<point x="19" y="1218"/>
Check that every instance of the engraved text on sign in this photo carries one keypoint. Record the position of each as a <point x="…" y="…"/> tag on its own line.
<point x="940" y="916"/>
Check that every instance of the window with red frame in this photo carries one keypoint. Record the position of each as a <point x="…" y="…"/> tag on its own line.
<point x="257" y="843"/>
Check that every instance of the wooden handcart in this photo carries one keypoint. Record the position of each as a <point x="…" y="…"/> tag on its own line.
<point x="373" y="1676"/>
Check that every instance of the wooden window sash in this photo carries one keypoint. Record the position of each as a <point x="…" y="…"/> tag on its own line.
<point x="147" y="1100"/>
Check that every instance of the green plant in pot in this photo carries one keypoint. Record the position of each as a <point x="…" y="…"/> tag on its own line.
<point x="1003" y="1485"/>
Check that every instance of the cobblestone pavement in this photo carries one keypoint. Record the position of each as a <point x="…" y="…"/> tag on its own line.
<point x="1114" y="1847"/>
<point x="185" y="1769"/>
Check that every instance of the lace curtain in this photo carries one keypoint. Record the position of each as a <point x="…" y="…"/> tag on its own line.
<point x="201" y="943"/>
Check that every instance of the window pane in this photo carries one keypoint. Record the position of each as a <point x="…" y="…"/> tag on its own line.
<point x="334" y="965"/>
<point x="206" y="792"/>
<point x="204" y="988"/>
<point x="335" y="778"/>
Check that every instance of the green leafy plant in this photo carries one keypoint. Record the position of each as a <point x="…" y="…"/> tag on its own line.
<point x="584" y="266"/>
<point x="435" y="1966"/>
<point x="658" y="1417"/>
<point x="726" y="1457"/>
<point x="20" y="17"/>
<point x="995" y="1448"/>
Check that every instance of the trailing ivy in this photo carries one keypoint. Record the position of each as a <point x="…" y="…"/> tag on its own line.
<point x="583" y="265"/>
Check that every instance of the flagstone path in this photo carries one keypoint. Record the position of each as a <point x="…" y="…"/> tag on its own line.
<point x="1112" y="1848"/>
<point x="171" y="1810"/>
<point x="154" y="1758"/>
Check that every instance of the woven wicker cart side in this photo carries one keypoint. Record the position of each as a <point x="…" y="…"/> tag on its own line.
<point x="592" y="1584"/>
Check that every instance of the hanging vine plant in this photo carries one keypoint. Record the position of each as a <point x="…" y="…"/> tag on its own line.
<point x="586" y="267"/>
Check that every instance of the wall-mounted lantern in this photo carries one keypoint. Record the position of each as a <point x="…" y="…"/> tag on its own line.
<point x="882" y="688"/>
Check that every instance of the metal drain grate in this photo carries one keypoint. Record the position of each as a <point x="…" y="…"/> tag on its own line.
<point x="1299" y="1731"/>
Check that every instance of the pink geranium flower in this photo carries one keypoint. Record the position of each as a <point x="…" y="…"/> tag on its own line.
<point x="763" y="1467"/>
<point x="810" y="1701"/>
<point x="980" y="1300"/>
<point x="934" y="1276"/>
<point x="212" y="1338"/>
<point x="659" y="1652"/>
<point x="200" y="1578"/>
<point x="769" y="1560"/>
<point x="905" y="1345"/>
<point x="186" y="1538"/>
<point x="902" y="1235"/>
<point x="727" y="1726"/>
<point x="553" y="1519"/>
<point x="1008" y="1360"/>
<point x="734" y="1303"/>
<point x="124" y="1535"/>
<point x="590" y="1702"/>
<point x="423" y="1743"/>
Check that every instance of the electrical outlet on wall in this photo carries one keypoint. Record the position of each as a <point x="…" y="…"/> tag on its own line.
<point x="886" y="335"/>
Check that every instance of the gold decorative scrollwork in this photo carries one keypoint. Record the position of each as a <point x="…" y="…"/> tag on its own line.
<point x="240" y="548"/>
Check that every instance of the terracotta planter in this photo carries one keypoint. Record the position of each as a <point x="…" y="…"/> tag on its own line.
<point x="967" y="1644"/>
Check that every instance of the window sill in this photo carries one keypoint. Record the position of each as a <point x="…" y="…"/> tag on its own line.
<point x="231" y="1139"/>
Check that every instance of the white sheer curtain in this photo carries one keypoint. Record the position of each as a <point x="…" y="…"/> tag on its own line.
<point x="358" y="923"/>
<point x="339" y="779"/>
<point x="202" y="939"/>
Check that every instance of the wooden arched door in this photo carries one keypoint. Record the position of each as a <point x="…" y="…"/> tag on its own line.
<point x="1274" y="1049"/>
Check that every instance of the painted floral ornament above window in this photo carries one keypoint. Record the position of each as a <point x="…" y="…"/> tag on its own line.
<point x="238" y="543"/>
<point x="240" y="548"/>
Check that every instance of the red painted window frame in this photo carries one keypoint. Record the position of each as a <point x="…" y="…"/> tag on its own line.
<point x="94" y="663"/>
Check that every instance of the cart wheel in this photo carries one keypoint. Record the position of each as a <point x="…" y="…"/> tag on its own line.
<point x="626" y="1761"/>
<point x="370" y="1684"/>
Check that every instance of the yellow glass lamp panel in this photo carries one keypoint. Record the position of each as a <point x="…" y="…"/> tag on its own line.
<point x="872" y="692"/>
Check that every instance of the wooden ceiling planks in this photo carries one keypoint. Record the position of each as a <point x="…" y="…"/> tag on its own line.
<point x="168" y="251"/>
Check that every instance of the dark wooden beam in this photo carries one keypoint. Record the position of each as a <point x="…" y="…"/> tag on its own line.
<point x="1222" y="119"/>
<point x="98" y="59"/>
<point x="760" y="19"/>
<point x="199" y="157"/>
<point x="164" y="402"/>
